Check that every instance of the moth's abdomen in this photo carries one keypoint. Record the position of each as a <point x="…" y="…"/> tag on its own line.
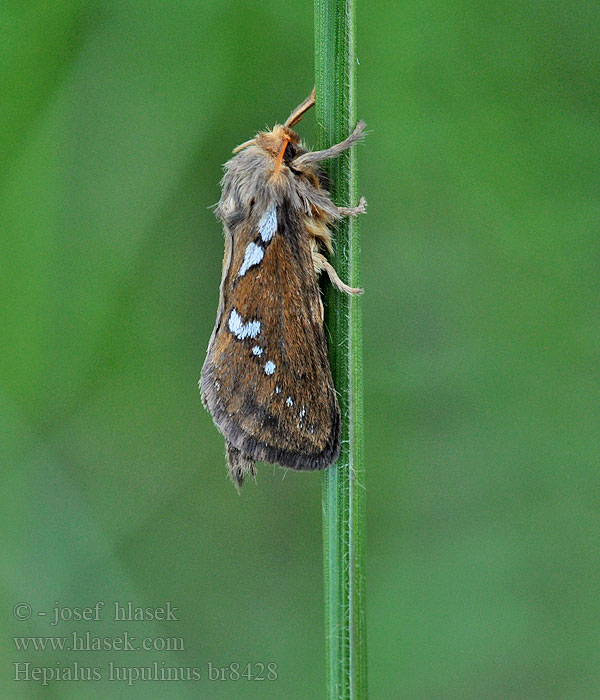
<point x="264" y="416"/>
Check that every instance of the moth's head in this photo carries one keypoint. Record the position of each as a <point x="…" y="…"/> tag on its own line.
<point x="281" y="145"/>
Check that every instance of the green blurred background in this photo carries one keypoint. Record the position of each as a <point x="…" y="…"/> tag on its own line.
<point x="481" y="334"/>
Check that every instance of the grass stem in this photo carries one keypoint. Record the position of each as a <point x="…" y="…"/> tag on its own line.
<point x="343" y="483"/>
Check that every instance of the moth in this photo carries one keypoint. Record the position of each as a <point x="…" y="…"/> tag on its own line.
<point x="266" y="379"/>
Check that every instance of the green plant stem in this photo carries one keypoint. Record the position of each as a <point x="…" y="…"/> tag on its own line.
<point x="343" y="483"/>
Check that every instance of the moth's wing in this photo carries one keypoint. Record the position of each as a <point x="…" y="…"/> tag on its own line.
<point x="266" y="379"/>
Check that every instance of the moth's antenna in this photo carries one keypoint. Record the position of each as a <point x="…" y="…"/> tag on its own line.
<point x="298" y="113"/>
<point x="237" y="149"/>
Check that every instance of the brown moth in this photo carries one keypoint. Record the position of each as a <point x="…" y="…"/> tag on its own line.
<point x="266" y="379"/>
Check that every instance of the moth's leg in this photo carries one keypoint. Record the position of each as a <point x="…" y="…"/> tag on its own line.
<point x="321" y="263"/>
<point x="354" y="211"/>
<point x="239" y="464"/>
<point x="332" y="151"/>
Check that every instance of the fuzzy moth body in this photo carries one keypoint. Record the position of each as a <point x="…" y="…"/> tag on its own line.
<point x="266" y="379"/>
